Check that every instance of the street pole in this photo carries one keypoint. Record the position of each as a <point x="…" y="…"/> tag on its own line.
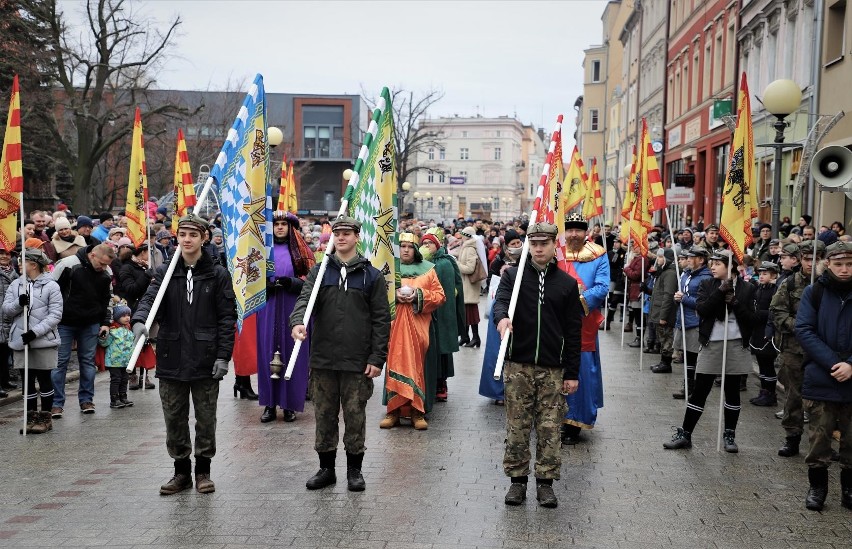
<point x="779" y="126"/>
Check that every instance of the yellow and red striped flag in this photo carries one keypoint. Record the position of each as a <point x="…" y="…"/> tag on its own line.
<point x="651" y="172"/>
<point x="283" y="190"/>
<point x="575" y="183"/>
<point x="739" y="195"/>
<point x="292" y="201"/>
<point x="137" y="187"/>
<point x="593" y="203"/>
<point x="184" y="189"/>
<point x="552" y="207"/>
<point x="631" y="191"/>
<point x="11" y="166"/>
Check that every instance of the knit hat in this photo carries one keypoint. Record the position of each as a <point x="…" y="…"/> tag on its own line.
<point x="807" y="219"/>
<point x="429" y="237"/>
<point x="124" y="241"/>
<point x="119" y="311"/>
<point x="510" y="236"/>
<point x="162" y="234"/>
<point x="61" y="223"/>
<point x="668" y="253"/>
<point x="162" y="210"/>
<point x="469" y="231"/>
<point x="217" y="232"/>
<point x="105" y="216"/>
<point x="84" y="221"/>
<point x="828" y="237"/>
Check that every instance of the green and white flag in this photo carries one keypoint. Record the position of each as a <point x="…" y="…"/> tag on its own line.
<point x="372" y="197"/>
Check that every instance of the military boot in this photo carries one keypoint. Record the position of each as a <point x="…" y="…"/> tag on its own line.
<point x="730" y="443"/>
<point x="517" y="493"/>
<point x="46" y="421"/>
<point x="325" y="476"/>
<point x="790" y="447"/>
<point x="846" y="488"/>
<point x="181" y="480"/>
<point x="545" y="495"/>
<point x="818" y="491"/>
<point x="354" y="477"/>
<point x="32" y="417"/>
<point x="664" y="367"/>
<point x="419" y="420"/>
<point x="681" y="439"/>
<point x="391" y="420"/>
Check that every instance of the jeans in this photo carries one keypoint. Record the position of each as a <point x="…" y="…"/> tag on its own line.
<point x="87" y="341"/>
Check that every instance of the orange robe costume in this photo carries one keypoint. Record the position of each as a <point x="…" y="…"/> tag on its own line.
<point x="409" y="338"/>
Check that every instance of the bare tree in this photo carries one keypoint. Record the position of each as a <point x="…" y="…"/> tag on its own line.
<point x="409" y="110"/>
<point x="102" y="74"/>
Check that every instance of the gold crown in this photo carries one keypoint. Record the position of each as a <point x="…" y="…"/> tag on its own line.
<point x="409" y="237"/>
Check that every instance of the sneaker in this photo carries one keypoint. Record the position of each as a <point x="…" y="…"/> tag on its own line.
<point x="680" y="439"/>
<point x="56" y="412"/>
<point x="780" y="415"/>
<point x="127" y="403"/>
<point x="806" y="417"/>
<point x="87" y="407"/>
<point x="517" y="494"/>
<point x="115" y="403"/>
<point x="545" y="496"/>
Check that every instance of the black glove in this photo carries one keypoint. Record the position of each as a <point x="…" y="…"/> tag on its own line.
<point x="271" y="285"/>
<point x="731" y="298"/>
<point x="726" y="286"/>
<point x="28" y="337"/>
<point x="23" y="300"/>
<point x="151" y="273"/>
<point x="284" y="282"/>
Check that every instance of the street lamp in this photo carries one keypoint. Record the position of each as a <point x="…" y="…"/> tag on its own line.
<point x="347" y="174"/>
<point x="780" y="98"/>
<point x="274" y="136"/>
<point x="400" y="195"/>
<point x="507" y="201"/>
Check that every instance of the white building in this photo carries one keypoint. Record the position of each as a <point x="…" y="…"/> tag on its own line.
<point x="482" y="167"/>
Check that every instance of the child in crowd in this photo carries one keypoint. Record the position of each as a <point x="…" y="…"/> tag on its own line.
<point x="119" y="347"/>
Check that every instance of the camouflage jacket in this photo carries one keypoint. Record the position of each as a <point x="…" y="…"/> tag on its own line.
<point x="782" y="312"/>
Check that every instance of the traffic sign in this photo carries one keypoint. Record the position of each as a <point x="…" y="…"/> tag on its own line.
<point x="680" y="195"/>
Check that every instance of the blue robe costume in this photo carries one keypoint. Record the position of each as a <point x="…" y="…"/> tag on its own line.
<point x="592" y="267"/>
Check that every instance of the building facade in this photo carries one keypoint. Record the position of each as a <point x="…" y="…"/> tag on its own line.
<point x="481" y="167"/>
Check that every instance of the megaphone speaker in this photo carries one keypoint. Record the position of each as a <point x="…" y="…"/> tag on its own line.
<point x="832" y="167"/>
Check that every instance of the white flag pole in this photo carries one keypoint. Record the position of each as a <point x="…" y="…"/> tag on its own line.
<point x="624" y="311"/>
<point x="23" y="266"/>
<point x="724" y="361"/>
<point x="682" y="316"/>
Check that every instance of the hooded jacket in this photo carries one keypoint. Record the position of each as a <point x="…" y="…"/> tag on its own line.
<point x="662" y="298"/>
<point x="826" y="338"/>
<point x="45" y="312"/>
<point x="351" y="325"/>
<point x="690" y="281"/>
<point x="85" y="291"/>
<point x="711" y="307"/>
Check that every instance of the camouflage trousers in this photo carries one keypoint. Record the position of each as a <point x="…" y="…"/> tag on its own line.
<point x="533" y="398"/>
<point x="665" y="337"/>
<point x="825" y="418"/>
<point x="175" y="396"/>
<point x="332" y="390"/>
<point x="791" y="374"/>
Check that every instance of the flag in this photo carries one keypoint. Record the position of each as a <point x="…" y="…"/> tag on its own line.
<point x="650" y="172"/>
<point x="631" y="191"/>
<point x="136" y="209"/>
<point x="283" y="192"/>
<point x="593" y="203"/>
<point x="372" y="198"/>
<point x="242" y="175"/>
<point x="575" y="183"/>
<point x="552" y="208"/>
<point x="184" y="189"/>
<point x="292" y="201"/>
<point x="11" y="165"/>
<point x="739" y="196"/>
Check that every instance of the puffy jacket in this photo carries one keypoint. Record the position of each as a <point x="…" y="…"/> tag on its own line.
<point x="546" y="332"/>
<point x="85" y="291"/>
<point x="351" y="327"/>
<point x="761" y="337"/>
<point x="6" y="279"/>
<point x="192" y="337"/>
<point x="711" y="307"/>
<point x="45" y="312"/>
<point x="133" y="282"/>
<point x="826" y="338"/>
<point x="119" y="346"/>
<point x="468" y="258"/>
<point x="662" y="298"/>
<point x="782" y="311"/>
<point x="689" y="284"/>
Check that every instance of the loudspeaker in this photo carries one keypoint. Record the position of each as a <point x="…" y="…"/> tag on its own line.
<point x="832" y="167"/>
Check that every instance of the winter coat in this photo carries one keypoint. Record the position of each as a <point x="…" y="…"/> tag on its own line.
<point x="45" y="312"/>
<point x="133" y="282"/>
<point x="85" y="291"/>
<point x="546" y="332"/>
<point x="783" y="309"/>
<point x="690" y="281"/>
<point x="65" y="248"/>
<point x="119" y="346"/>
<point x="467" y="266"/>
<point x="6" y="279"/>
<point x="761" y="337"/>
<point x="192" y="336"/>
<point x="633" y="272"/>
<point x="616" y="268"/>
<point x="761" y="251"/>
<point x="662" y="300"/>
<point x="351" y="327"/>
<point x="711" y="307"/>
<point x="826" y="338"/>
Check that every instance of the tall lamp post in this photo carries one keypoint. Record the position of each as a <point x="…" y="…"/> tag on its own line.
<point x="443" y="203"/>
<point x="400" y="195"/>
<point x="420" y="200"/>
<point x="780" y="98"/>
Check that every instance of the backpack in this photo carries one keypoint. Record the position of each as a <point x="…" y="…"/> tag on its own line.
<point x="816" y="293"/>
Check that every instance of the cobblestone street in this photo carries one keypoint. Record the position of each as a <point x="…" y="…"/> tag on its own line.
<point x="93" y="481"/>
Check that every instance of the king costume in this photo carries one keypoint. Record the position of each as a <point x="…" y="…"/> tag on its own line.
<point x="590" y="268"/>
<point x="411" y="332"/>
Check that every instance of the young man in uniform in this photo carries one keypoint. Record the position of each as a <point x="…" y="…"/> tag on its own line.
<point x="542" y="363"/>
<point x="349" y="347"/>
<point x="197" y="322"/>
<point x="823" y="327"/>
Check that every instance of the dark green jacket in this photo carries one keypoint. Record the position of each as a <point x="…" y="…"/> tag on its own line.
<point x="351" y="326"/>
<point x="783" y="309"/>
<point x="449" y="317"/>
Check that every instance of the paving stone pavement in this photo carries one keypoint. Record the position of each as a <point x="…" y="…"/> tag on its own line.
<point x="93" y="481"/>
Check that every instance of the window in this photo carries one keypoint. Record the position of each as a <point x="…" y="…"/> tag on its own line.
<point x="677" y="88"/>
<point x="440" y="177"/>
<point x="684" y="88"/>
<point x="442" y="154"/>
<point x="695" y="73"/>
<point x="498" y="153"/>
<point x="722" y="158"/>
<point x="596" y="71"/>
<point x="497" y="133"/>
<point x="431" y="154"/>
<point x="463" y="173"/>
<point x="464" y="134"/>
<point x="730" y="46"/>
<point x="789" y="50"/>
<point x="593" y="120"/>
<point x="835" y="36"/>
<point x="770" y="59"/>
<point x="705" y="70"/>
<point x="322" y="131"/>
<point x="717" y="63"/>
<point x="464" y="153"/>
<point x="430" y="177"/>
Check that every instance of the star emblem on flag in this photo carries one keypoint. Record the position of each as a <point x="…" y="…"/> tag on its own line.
<point x="256" y="217"/>
<point x="384" y="230"/>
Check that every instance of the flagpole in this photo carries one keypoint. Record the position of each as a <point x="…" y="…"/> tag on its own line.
<point x="724" y="361"/>
<point x="513" y="301"/>
<point x="624" y="310"/>
<point x="26" y="312"/>
<point x="363" y="155"/>
<point x="642" y="334"/>
<point x="682" y="315"/>
<point x="606" y="253"/>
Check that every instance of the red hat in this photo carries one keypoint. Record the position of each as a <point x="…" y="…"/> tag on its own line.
<point x="430" y="238"/>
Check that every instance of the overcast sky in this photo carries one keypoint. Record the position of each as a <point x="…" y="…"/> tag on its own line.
<point x="489" y="57"/>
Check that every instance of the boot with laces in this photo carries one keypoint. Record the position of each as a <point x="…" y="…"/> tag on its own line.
<point x="517" y="493"/>
<point x="680" y="439"/>
<point x="818" y="491"/>
<point x="728" y="441"/>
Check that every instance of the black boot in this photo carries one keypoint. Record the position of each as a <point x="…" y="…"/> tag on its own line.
<point x="681" y="439"/>
<point x="268" y="414"/>
<point x="325" y="476"/>
<point x="818" y="478"/>
<point x="664" y="367"/>
<point x="354" y="478"/>
<point x="4" y="380"/>
<point x="730" y="444"/>
<point x="474" y="341"/>
<point x="791" y="446"/>
<point x="242" y="385"/>
<point x="846" y="488"/>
